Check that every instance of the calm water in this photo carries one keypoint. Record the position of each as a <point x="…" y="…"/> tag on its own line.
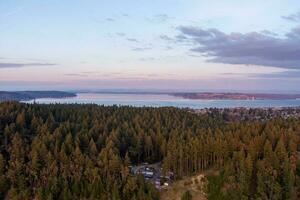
<point x="165" y="100"/>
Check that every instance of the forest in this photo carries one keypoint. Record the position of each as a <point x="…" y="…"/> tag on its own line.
<point x="74" y="151"/>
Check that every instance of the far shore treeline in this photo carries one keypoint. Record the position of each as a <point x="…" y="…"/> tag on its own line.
<point x="31" y="95"/>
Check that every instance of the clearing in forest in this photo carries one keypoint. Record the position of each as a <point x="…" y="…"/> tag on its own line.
<point x="195" y="184"/>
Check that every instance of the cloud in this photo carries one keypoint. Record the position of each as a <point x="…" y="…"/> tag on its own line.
<point x="253" y="48"/>
<point x="166" y="38"/>
<point x="289" y="74"/>
<point x="133" y="40"/>
<point x="294" y="17"/>
<point x="267" y="32"/>
<point x="168" y="48"/>
<point x="110" y="19"/>
<point x="90" y="72"/>
<point x="293" y="74"/>
<point x="75" y="75"/>
<point x="177" y="39"/>
<point x="12" y="12"/>
<point x="120" y="34"/>
<point x="20" y="65"/>
<point x="141" y="49"/>
<point x="147" y="59"/>
<point x="160" y="18"/>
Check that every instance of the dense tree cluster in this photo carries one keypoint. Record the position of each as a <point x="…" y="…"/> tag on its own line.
<point x="73" y="152"/>
<point x="262" y="162"/>
<point x="84" y="152"/>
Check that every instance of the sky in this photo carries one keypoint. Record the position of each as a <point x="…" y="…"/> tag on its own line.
<point x="182" y="45"/>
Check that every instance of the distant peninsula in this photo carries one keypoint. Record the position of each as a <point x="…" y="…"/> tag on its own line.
<point x="236" y="96"/>
<point x="31" y="95"/>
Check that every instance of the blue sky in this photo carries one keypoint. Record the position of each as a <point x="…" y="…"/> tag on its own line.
<point x="159" y="44"/>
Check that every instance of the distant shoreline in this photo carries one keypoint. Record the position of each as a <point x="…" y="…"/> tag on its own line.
<point x="211" y="95"/>
<point x="32" y="95"/>
<point x="237" y="96"/>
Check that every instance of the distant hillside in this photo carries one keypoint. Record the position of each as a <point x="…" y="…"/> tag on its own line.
<point x="236" y="96"/>
<point x="30" y="95"/>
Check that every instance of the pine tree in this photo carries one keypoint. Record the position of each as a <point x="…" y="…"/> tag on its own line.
<point x="4" y="185"/>
<point x="187" y="196"/>
<point x="16" y="165"/>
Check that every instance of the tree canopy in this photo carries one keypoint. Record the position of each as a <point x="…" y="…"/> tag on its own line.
<point x="84" y="152"/>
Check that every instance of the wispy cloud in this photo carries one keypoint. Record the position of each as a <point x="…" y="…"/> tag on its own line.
<point x="177" y="39"/>
<point x="90" y="72"/>
<point x="292" y="74"/>
<point x="20" y="65"/>
<point x="267" y="32"/>
<point x="12" y="12"/>
<point x="120" y="34"/>
<point x="168" y="48"/>
<point x="147" y="59"/>
<point x="109" y="19"/>
<point x="141" y="49"/>
<point x="133" y="40"/>
<point x="166" y="38"/>
<point x="294" y="17"/>
<point x="159" y="18"/>
<point x="75" y="75"/>
<point x="162" y="17"/>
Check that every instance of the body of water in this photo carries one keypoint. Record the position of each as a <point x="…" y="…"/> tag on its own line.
<point x="161" y="100"/>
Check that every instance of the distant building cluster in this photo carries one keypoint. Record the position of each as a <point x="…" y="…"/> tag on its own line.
<point x="250" y="114"/>
<point x="153" y="174"/>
